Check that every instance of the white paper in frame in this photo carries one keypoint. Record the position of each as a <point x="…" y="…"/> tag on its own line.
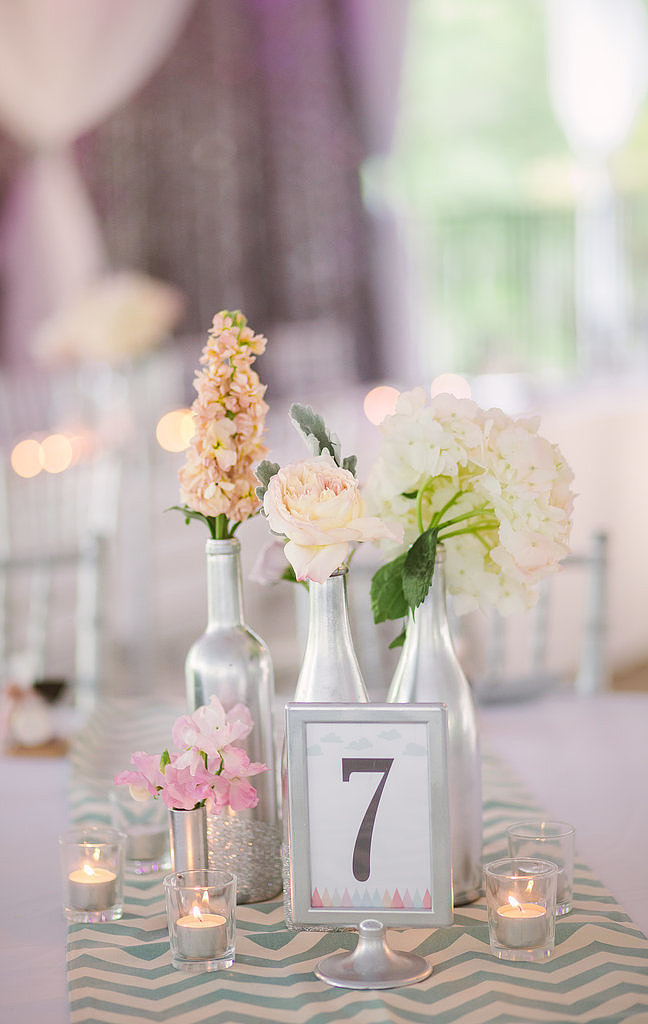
<point x="368" y="814"/>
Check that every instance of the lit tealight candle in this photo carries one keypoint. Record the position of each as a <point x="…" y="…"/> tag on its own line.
<point x="92" y="888"/>
<point x="521" y="925"/>
<point x="200" y="936"/>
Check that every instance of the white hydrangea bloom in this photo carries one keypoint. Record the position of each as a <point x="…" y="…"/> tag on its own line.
<point x="501" y="493"/>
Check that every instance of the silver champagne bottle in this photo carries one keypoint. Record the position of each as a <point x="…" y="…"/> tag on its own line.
<point x="232" y="662"/>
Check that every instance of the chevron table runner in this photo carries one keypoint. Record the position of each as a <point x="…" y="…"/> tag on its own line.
<point x="121" y="971"/>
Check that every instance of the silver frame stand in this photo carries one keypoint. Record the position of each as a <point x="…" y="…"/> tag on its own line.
<point x="373" y="963"/>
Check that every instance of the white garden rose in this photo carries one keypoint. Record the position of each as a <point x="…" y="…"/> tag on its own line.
<point x="317" y="505"/>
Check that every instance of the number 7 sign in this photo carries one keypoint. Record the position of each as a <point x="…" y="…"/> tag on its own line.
<point x="366" y="815"/>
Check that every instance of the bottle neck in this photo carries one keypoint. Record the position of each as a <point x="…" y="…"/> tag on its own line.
<point x="224" y="588"/>
<point x="330" y="670"/>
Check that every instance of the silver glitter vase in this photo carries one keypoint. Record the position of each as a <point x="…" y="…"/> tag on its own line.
<point x="428" y="672"/>
<point x="329" y="674"/>
<point x="232" y="662"/>
<point x="188" y="839"/>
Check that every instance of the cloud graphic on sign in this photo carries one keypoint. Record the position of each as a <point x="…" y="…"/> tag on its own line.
<point x="415" y="750"/>
<point x="360" y="744"/>
<point x="315" y="750"/>
<point x="389" y="734"/>
<point x="331" y="737"/>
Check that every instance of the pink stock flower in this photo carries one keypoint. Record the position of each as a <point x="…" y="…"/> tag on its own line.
<point x="229" y="419"/>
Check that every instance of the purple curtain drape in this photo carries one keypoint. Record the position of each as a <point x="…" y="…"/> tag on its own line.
<point x="234" y="173"/>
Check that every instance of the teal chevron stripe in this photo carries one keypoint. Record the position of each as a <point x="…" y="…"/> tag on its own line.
<point x="121" y="973"/>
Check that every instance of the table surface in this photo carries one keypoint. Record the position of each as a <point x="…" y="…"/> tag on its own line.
<point x="591" y="772"/>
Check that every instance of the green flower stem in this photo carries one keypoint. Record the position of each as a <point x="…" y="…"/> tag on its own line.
<point x="220" y="523"/>
<point x="419" y="504"/>
<point x="436" y="518"/>
<point x="469" y="529"/>
<point x="467" y="515"/>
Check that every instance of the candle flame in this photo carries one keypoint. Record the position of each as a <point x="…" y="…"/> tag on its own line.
<point x="514" y="903"/>
<point x="88" y="870"/>
<point x="196" y="911"/>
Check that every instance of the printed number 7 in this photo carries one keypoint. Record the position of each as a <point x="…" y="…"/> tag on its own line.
<point x="362" y="848"/>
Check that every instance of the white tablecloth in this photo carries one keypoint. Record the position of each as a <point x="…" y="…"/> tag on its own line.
<point x="33" y="988"/>
<point x="585" y="760"/>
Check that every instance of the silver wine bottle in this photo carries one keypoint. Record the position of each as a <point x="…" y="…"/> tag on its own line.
<point x="428" y="672"/>
<point x="232" y="662"/>
<point x="329" y="674"/>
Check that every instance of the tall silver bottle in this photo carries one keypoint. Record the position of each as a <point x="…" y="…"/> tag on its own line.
<point x="329" y="673"/>
<point x="232" y="662"/>
<point x="428" y="672"/>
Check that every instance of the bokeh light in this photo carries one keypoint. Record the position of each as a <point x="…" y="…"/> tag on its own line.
<point x="380" y="402"/>
<point x="450" y="384"/>
<point x="26" y="458"/>
<point x="55" y="453"/>
<point x="174" y="430"/>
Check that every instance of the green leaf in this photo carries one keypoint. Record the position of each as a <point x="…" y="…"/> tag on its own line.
<point x="165" y="759"/>
<point x="399" y="640"/>
<point x="350" y="463"/>
<point x="418" y="568"/>
<point x="289" y="574"/>
<point x="265" y="472"/>
<point x="314" y="431"/>
<point x="190" y="513"/>
<point x="409" y="494"/>
<point x="387" y="597"/>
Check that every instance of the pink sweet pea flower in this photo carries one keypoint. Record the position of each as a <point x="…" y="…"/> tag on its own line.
<point x="237" y="764"/>
<point x="146" y="777"/>
<point x="182" y="790"/>
<point x="218" y="797"/>
<point x="242" y="794"/>
<point x="207" y="770"/>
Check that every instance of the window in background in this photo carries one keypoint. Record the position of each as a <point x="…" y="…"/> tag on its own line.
<point x="495" y="187"/>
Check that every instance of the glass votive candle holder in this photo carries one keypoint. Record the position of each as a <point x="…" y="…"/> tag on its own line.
<point x="201" y="913"/>
<point x="521" y="903"/>
<point x="92" y="867"/>
<point x="146" y="825"/>
<point x="548" y="840"/>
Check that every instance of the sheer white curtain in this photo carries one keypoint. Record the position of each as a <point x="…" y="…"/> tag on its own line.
<point x="64" y="66"/>
<point x="598" y="60"/>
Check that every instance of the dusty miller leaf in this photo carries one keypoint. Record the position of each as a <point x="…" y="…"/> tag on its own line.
<point x="265" y="472"/>
<point x="314" y="431"/>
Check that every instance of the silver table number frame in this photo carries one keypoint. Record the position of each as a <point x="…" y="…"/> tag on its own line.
<point x="369" y="827"/>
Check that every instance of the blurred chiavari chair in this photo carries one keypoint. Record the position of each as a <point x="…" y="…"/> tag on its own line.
<point x="581" y="614"/>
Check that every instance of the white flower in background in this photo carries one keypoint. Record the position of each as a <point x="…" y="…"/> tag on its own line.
<point x="119" y="317"/>
<point x="489" y="487"/>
